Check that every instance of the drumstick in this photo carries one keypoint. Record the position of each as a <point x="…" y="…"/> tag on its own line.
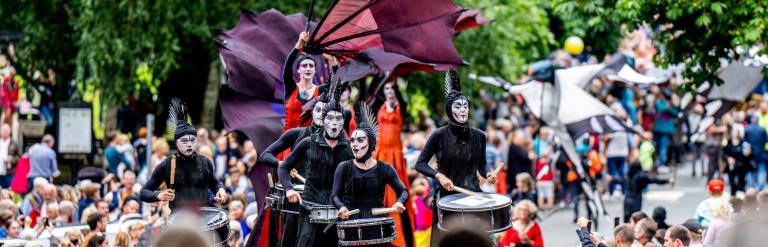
<point x="271" y="183"/>
<point x="295" y="174"/>
<point x="380" y="211"/>
<point x="353" y="212"/>
<point x="498" y="169"/>
<point x="465" y="191"/>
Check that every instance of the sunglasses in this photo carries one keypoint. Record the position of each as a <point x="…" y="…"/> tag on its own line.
<point x="307" y="65"/>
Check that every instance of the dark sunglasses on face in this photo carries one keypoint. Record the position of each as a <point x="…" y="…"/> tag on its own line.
<point x="307" y="65"/>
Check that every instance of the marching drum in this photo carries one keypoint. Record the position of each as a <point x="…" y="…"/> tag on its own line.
<point x="279" y="202"/>
<point x="213" y="223"/>
<point x="366" y="231"/>
<point x="489" y="210"/>
<point x="321" y="214"/>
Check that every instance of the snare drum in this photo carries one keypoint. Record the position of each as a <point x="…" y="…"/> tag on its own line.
<point x="279" y="201"/>
<point x="212" y="222"/>
<point x="366" y="231"/>
<point x="492" y="211"/>
<point x="322" y="214"/>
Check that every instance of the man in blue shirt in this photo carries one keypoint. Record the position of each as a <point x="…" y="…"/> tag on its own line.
<point x="113" y="157"/>
<point x="42" y="160"/>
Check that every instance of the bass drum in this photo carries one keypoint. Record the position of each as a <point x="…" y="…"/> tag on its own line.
<point x="490" y="211"/>
<point x="213" y="223"/>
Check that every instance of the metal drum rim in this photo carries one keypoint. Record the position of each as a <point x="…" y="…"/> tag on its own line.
<point x="367" y="242"/>
<point x="365" y="222"/>
<point x="208" y="209"/>
<point x="475" y="209"/>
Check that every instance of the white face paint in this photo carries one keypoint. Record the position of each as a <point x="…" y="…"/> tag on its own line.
<point x="307" y="69"/>
<point x="359" y="144"/>
<point x="389" y="91"/>
<point x="187" y="144"/>
<point x="317" y="113"/>
<point x="460" y="110"/>
<point x="333" y="123"/>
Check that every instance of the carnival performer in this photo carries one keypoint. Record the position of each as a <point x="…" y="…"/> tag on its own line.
<point x="323" y="152"/>
<point x="459" y="149"/>
<point x="390" y="150"/>
<point x="298" y="93"/>
<point x="359" y="183"/>
<point x="288" y="140"/>
<point x="188" y="177"/>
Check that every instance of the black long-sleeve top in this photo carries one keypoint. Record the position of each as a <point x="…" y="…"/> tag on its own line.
<point x="356" y="188"/>
<point x="638" y="180"/>
<point x="289" y="139"/>
<point x="460" y="152"/>
<point x="288" y="83"/>
<point x="321" y="164"/>
<point x="194" y="178"/>
<point x="517" y="162"/>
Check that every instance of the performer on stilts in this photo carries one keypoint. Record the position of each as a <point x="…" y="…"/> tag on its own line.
<point x="323" y="152"/>
<point x="288" y="140"/>
<point x="390" y="151"/>
<point x="188" y="177"/>
<point x="459" y="149"/>
<point x="359" y="183"/>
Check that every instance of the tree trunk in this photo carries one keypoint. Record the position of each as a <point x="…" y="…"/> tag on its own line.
<point x="208" y="115"/>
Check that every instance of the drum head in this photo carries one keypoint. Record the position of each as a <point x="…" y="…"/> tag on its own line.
<point x="365" y="222"/>
<point x="207" y="218"/>
<point x="462" y="202"/>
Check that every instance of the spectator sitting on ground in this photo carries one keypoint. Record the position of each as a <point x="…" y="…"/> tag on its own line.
<point x="677" y="236"/>
<point x="525" y="230"/>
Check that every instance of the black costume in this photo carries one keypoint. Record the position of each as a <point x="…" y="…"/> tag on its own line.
<point x="638" y="180"/>
<point x="355" y="188"/>
<point x="322" y="160"/>
<point x="460" y="152"/>
<point x="194" y="176"/>
<point x="290" y="139"/>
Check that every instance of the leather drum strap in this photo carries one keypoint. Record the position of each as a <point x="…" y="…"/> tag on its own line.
<point x="173" y="171"/>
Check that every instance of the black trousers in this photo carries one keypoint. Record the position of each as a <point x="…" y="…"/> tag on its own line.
<point x="290" y="230"/>
<point x="312" y="234"/>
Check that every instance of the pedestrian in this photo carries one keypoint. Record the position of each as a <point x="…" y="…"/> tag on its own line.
<point x="739" y="156"/>
<point x="714" y="149"/>
<point x="664" y="128"/>
<point x="526" y="189"/>
<point x="545" y="185"/>
<point x="721" y="214"/>
<point x="757" y="137"/>
<point x="518" y="159"/>
<point x="704" y="209"/>
<point x="637" y="181"/>
<point x="617" y="151"/>
<point x="9" y="156"/>
<point x="647" y="149"/>
<point x="42" y="161"/>
<point x="141" y="149"/>
<point x="677" y="236"/>
<point x="112" y="155"/>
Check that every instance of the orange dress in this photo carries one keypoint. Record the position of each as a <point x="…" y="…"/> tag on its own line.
<point x="390" y="149"/>
<point x="293" y="111"/>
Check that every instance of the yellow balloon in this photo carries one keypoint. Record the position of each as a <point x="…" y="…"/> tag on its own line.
<point x="574" y="45"/>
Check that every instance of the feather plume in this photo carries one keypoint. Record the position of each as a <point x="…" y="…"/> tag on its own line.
<point x="366" y="118"/>
<point x="176" y="112"/>
<point x="452" y="81"/>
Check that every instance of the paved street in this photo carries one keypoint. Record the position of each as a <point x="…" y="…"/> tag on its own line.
<point x="680" y="202"/>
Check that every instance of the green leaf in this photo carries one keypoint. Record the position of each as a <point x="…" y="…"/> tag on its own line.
<point x="703" y="20"/>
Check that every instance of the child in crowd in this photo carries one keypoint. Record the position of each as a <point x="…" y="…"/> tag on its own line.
<point x="422" y="212"/>
<point x="525" y="188"/>
<point x="544" y="182"/>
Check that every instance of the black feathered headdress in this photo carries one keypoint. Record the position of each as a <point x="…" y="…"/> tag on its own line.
<point x="177" y="119"/>
<point x="334" y="95"/>
<point x="452" y="91"/>
<point x="367" y="124"/>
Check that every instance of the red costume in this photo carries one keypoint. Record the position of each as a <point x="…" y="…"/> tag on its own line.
<point x="511" y="236"/>
<point x="293" y="111"/>
<point x="390" y="149"/>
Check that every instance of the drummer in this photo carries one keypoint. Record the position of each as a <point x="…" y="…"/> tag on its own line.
<point x="188" y="176"/>
<point x="459" y="148"/>
<point x="323" y="151"/>
<point x="289" y="140"/>
<point x="359" y="183"/>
